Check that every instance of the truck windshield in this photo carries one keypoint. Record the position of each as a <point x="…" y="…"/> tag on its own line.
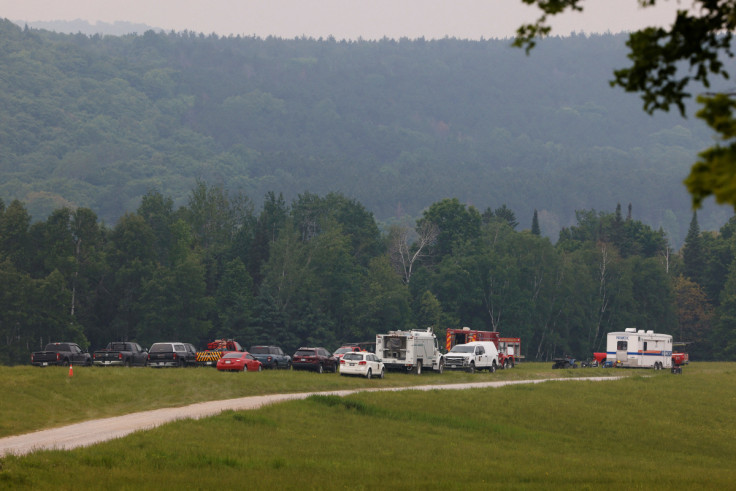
<point x="458" y="348"/>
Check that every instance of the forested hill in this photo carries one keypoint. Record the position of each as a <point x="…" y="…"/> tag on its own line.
<point x="395" y="124"/>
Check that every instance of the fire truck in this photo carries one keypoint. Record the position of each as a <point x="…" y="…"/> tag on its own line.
<point x="509" y="349"/>
<point x="215" y="350"/>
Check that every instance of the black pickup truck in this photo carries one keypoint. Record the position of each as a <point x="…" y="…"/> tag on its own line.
<point x="121" y="354"/>
<point x="61" y="354"/>
<point x="172" y="355"/>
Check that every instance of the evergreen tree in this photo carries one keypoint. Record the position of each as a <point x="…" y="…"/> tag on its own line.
<point x="535" y="224"/>
<point x="506" y="214"/>
<point x="693" y="254"/>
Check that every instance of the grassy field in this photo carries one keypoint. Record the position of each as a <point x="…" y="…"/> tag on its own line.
<point x="651" y="430"/>
<point x="48" y="397"/>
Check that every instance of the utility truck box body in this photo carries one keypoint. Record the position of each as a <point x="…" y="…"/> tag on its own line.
<point x="639" y="349"/>
<point x="409" y="350"/>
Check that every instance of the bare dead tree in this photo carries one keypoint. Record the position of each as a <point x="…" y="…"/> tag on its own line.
<point x="407" y="246"/>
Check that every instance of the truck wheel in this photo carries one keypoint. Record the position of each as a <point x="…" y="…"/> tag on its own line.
<point x="471" y="368"/>
<point x="441" y="367"/>
<point x="334" y="368"/>
<point x="383" y="372"/>
<point x="493" y="368"/>
<point x="65" y="362"/>
<point x="418" y="368"/>
<point x="275" y="365"/>
<point x="127" y="363"/>
<point x="320" y="368"/>
<point x="369" y="375"/>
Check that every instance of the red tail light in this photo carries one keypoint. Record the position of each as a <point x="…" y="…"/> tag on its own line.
<point x="120" y="356"/>
<point x="58" y="356"/>
<point x="342" y="362"/>
<point x="362" y="362"/>
<point x="174" y="356"/>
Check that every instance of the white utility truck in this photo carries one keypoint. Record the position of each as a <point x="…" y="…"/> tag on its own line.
<point x="476" y="355"/>
<point x="412" y="350"/>
<point x="639" y="349"/>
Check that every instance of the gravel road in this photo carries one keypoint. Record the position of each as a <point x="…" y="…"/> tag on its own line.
<point x="100" y="430"/>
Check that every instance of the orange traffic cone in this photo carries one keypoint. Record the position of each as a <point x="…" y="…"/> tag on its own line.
<point x="71" y="370"/>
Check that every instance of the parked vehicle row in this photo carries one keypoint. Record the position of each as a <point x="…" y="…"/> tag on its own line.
<point x="413" y="351"/>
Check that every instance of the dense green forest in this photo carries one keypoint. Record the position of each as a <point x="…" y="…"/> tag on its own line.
<point x="99" y="121"/>
<point x="319" y="271"/>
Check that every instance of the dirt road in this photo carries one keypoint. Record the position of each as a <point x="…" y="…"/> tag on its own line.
<point x="100" y="430"/>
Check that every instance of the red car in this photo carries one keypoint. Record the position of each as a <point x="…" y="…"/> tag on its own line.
<point x="341" y="351"/>
<point x="239" y="361"/>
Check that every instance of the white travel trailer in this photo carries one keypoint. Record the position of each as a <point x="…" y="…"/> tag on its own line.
<point x="639" y="349"/>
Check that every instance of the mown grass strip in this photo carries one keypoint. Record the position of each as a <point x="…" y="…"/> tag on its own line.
<point x="37" y="398"/>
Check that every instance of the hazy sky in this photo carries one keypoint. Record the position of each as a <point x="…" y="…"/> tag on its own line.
<point x="343" y="19"/>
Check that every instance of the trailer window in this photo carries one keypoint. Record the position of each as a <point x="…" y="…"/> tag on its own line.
<point x="622" y="345"/>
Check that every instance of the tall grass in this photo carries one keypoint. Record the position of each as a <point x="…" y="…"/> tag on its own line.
<point x="36" y="398"/>
<point x="651" y="430"/>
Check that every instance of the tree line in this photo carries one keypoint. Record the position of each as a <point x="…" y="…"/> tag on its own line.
<point x="320" y="271"/>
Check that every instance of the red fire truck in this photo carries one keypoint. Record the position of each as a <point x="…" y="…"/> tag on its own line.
<point x="509" y="349"/>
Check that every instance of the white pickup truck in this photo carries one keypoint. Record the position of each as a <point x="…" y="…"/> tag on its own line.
<point x="476" y="355"/>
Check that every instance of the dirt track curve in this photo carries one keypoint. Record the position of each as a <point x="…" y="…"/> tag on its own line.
<point x="100" y="430"/>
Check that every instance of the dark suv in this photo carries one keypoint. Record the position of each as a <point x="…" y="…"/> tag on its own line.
<point x="271" y="356"/>
<point x="317" y="359"/>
